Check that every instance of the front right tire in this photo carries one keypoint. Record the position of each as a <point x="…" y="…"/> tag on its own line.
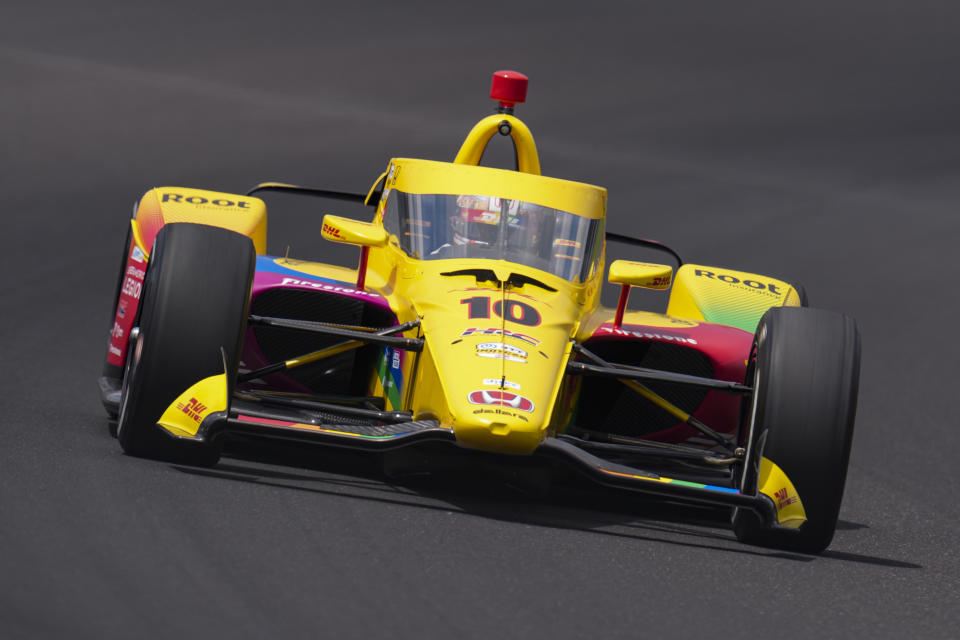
<point x="805" y="376"/>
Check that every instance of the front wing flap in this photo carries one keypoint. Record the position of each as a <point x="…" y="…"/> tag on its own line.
<point x="288" y="423"/>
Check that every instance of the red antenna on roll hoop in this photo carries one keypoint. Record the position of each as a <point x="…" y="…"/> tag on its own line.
<point x="508" y="88"/>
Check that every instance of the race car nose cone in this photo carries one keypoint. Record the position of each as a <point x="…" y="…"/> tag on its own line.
<point x="498" y="434"/>
<point x="509" y="88"/>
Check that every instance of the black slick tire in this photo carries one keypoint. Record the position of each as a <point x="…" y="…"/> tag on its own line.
<point x="196" y="297"/>
<point x="802" y="293"/>
<point x="806" y="375"/>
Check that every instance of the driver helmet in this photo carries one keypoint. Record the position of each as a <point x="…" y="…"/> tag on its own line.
<point x="476" y="221"/>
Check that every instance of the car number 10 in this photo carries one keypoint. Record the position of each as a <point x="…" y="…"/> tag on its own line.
<point x="509" y="310"/>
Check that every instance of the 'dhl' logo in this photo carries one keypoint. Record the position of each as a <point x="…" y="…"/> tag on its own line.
<point x="782" y="499"/>
<point x="193" y="408"/>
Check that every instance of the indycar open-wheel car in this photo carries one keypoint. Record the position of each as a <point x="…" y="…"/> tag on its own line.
<point x="473" y="319"/>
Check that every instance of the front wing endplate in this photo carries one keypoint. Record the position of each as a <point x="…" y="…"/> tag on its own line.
<point x="775" y="484"/>
<point x="185" y="415"/>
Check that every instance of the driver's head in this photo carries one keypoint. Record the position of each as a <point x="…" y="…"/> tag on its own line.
<point x="476" y="220"/>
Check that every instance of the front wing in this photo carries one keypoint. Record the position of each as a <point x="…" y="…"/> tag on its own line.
<point x="205" y="412"/>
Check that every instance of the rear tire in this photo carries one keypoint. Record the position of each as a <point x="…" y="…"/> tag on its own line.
<point x="805" y="375"/>
<point x="802" y="293"/>
<point x="196" y="296"/>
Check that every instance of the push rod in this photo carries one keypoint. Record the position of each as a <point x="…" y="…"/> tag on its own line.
<point x="656" y="399"/>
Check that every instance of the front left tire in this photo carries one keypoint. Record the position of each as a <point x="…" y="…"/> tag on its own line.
<point x="194" y="307"/>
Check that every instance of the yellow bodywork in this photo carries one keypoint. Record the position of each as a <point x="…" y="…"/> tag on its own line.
<point x="163" y="205"/>
<point x="775" y="484"/>
<point x="427" y="176"/>
<point x="640" y="274"/>
<point x="337" y="229"/>
<point x="464" y="355"/>
<point x="184" y="416"/>
<point x="480" y="336"/>
<point x="725" y="296"/>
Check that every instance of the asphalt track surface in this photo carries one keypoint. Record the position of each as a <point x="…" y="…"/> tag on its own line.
<point x="814" y="141"/>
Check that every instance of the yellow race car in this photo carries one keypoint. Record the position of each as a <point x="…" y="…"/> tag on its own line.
<point x="473" y="319"/>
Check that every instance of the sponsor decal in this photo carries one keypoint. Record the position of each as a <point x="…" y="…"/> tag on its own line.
<point x="324" y="286"/>
<point x="754" y="285"/>
<point x="130" y="291"/>
<point x="783" y="499"/>
<point x="193" y="408"/>
<point x="497" y="382"/>
<point x="133" y="282"/>
<point x="170" y="196"/>
<point x="497" y="331"/>
<point x="485" y="217"/>
<point x="661" y="282"/>
<point x="501" y="351"/>
<point x="501" y="398"/>
<point x="500" y="346"/>
<point x="646" y="335"/>
<point x="501" y="412"/>
<point x="332" y="231"/>
<point x="132" y="287"/>
<point x="390" y="371"/>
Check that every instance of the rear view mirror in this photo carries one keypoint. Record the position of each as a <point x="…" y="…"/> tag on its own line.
<point x="641" y="274"/>
<point x="628" y="274"/>
<point x="365" y="234"/>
